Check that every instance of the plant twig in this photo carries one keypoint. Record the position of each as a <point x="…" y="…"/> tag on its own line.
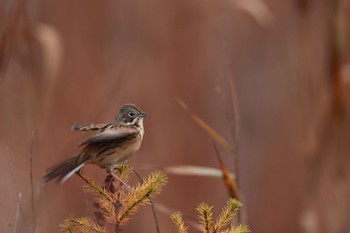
<point x="15" y="187"/>
<point x="236" y="111"/>
<point x="229" y="182"/>
<point x="32" y="182"/>
<point x="228" y="179"/>
<point x="150" y="200"/>
<point x="18" y="210"/>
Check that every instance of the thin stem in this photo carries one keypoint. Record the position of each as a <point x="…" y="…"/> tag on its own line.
<point x="152" y="205"/>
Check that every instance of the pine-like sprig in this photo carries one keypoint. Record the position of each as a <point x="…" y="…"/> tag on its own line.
<point x="205" y="216"/>
<point x="96" y="189"/>
<point x="124" y="171"/>
<point x="140" y="195"/>
<point x="241" y="229"/>
<point x="74" y="225"/>
<point x="116" y="202"/>
<point x="238" y="229"/>
<point x="179" y="222"/>
<point x="227" y="214"/>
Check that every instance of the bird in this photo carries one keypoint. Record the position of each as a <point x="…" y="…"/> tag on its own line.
<point x="113" y="144"/>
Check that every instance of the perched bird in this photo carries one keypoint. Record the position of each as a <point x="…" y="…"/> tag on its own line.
<point x="112" y="144"/>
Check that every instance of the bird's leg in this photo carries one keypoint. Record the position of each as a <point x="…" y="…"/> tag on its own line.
<point x="110" y="170"/>
<point x="121" y="181"/>
<point x="109" y="183"/>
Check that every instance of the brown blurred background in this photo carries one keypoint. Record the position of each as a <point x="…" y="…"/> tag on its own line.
<point x="67" y="62"/>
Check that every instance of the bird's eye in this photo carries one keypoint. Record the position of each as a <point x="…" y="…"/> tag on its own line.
<point x="131" y="114"/>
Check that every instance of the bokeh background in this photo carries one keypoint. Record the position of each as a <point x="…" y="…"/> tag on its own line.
<point x="68" y="62"/>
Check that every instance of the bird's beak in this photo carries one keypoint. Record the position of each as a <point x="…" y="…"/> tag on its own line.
<point x="143" y="114"/>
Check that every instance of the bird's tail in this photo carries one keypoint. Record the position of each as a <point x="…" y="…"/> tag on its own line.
<point x="64" y="170"/>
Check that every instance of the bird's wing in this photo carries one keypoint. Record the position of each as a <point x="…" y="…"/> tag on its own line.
<point x="110" y="137"/>
<point x="91" y="127"/>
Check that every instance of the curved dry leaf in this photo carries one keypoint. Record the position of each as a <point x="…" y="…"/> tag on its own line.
<point x="212" y="133"/>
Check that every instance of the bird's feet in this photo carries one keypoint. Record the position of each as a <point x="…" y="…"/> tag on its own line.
<point x="120" y="180"/>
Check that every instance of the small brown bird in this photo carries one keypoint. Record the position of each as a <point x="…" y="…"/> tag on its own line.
<point x="113" y="144"/>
